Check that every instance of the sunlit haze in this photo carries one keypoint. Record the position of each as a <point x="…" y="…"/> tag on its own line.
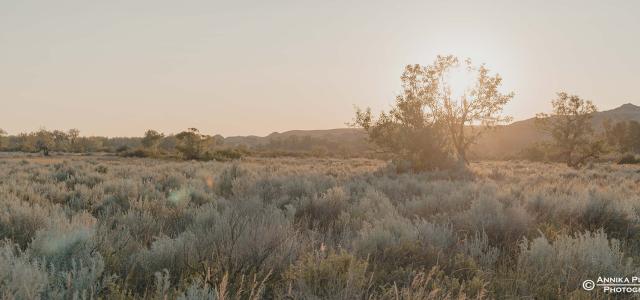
<point x="116" y="68"/>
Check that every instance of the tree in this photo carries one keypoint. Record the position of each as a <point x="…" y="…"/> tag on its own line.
<point x="570" y="127"/>
<point x="436" y="113"/>
<point x="60" y="140"/>
<point x="2" y="134"/>
<point x="151" y="140"/>
<point x="43" y="141"/>
<point x="633" y="136"/>
<point x="623" y="136"/>
<point x="414" y="142"/>
<point x="190" y="143"/>
<point x="73" y="136"/>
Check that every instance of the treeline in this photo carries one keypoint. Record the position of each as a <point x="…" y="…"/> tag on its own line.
<point x="63" y="141"/>
<point x="306" y="145"/>
<point x="190" y="144"/>
<point x="619" y="141"/>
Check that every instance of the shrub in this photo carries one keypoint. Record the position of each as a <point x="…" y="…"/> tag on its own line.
<point x="20" y="221"/>
<point x="478" y="248"/>
<point x="628" y="159"/>
<point x="263" y="228"/>
<point x="502" y="224"/>
<point x="602" y="212"/>
<point x="85" y="280"/>
<point x="63" y="242"/>
<point x="435" y="284"/>
<point x="323" y="213"/>
<point x="227" y="178"/>
<point x="19" y="277"/>
<point x="547" y="268"/>
<point x="137" y="152"/>
<point x="329" y="275"/>
<point x="223" y="155"/>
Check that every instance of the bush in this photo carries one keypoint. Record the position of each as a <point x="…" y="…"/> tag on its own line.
<point x="64" y="242"/>
<point x="435" y="284"/>
<point x="223" y="155"/>
<point x="548" y="268"/>
<point x="19" y="277"/>
<point x="329" y="275"/>
<point x="628" y="159"/>
<point x="20" y="221"/>
<point x="137" y="152"/>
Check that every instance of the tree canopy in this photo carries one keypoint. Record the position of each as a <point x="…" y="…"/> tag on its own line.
<point x="436" y="118"/>
<point x="569" y="125"/>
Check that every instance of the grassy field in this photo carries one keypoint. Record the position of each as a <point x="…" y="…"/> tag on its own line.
<point x="108" y="227"/>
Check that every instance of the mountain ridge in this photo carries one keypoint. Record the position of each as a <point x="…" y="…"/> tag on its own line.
<point x="505" y="140"/>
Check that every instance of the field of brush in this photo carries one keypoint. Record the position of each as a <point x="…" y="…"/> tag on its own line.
<point x="106" y="227"/>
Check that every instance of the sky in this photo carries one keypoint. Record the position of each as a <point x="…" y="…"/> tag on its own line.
<point x="119" y="67"/>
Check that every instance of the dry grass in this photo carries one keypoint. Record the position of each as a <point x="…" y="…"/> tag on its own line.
<point x="108" y="227"/>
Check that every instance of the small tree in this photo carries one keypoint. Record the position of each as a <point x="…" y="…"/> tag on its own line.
<point x="431" y="118"/>
<point x="60" y="140"/>
<point x="151" y="140"/>
<point x="2" y="134"/>
<point x="190" y="143"/>
<point x="73" y="136"/>
<point x="43" y="141"/>
<point x="633" y="136"/>
<point x="623" y="136"/>
<point x="570" y="127"/>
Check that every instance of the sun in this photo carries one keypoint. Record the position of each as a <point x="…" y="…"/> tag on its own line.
<point x="459" y="80"/>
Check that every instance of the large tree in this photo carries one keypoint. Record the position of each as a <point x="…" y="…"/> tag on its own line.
<point x="569" y="124"/>
<point x="438" y="111"/>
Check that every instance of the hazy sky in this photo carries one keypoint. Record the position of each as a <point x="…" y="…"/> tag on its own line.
<point x="117" y="68"/>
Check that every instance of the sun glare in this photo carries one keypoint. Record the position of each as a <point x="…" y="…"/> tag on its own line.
<point x="459" y="80"/>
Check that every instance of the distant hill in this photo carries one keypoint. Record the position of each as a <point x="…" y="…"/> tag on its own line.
<point x="506" y="140"/>
<point x="346" y="135"/>
<point x="344" y="142"/>
<point x="511" y="139"/>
